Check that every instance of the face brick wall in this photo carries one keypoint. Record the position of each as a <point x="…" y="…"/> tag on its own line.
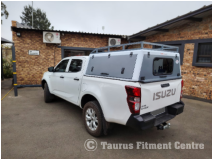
<point x="197" y="80"/>
<point x="30" y="68"/>
<point x="188" y="31"/>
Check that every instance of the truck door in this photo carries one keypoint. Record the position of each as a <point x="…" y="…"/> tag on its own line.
<point x="57" y="77"/>
<point x="73" y="79"/>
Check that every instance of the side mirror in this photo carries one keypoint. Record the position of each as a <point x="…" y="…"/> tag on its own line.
<point x="51" y="69"/>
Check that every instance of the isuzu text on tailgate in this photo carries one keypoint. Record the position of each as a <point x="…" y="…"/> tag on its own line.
<point x="140" y="87"/>
<point x="164" y="94"/>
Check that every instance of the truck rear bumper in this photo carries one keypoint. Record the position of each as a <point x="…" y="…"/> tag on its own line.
<point x="148" y="120"/>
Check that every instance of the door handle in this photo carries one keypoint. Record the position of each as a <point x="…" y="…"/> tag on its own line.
<point x="106" y="74"/>
<point x="165" y="85"/>
<point x="61" y="77"/>
<point x="76" y="79"/>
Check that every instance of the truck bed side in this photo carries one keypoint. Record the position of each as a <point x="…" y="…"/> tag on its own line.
<point x="111" y="95"/>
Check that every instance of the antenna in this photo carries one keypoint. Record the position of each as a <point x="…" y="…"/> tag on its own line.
<point x="103" y="27"/>
<point x="32" y="14"/>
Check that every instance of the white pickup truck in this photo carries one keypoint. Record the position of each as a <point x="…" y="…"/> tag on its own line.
<point x="140" y="88"/>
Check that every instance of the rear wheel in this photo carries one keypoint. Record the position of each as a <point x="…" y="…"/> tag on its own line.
<point x="48" y="97"/>
<point x="93" y="118"/>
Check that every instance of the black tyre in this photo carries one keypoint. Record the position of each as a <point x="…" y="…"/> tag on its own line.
<point x="93" y="118"/>
<point x="48" y="97"/>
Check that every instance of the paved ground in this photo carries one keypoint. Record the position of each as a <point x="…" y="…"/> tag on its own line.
<point x="6" y="85"/>
<point x="31" y="128"/>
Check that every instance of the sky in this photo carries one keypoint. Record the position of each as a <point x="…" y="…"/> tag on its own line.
<point x="121" y="17"/>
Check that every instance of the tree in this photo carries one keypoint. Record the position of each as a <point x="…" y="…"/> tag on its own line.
<point x="40" y="20"/>
<point x="6" y="46"/>
<point x="4" y="11"/>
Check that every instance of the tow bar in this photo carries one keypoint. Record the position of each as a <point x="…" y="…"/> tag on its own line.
<point x="163" y="126"/>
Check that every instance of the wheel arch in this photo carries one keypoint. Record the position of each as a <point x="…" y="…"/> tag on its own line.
<point x="43" y="83"/>
<point x="87" y="98"/>
<point x="48" y="83"/>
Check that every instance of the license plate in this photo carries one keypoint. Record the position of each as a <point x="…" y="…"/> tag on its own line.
<point x="157" y="112"/>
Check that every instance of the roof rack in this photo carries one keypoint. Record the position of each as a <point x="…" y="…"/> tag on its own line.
<point x="155" y="46"/>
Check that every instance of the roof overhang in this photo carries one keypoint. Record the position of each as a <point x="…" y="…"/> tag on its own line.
<point x="196" y="16"/>
<point x="3" y="40"/>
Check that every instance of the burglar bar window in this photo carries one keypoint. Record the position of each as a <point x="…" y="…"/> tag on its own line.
<point x="204" y="54"/>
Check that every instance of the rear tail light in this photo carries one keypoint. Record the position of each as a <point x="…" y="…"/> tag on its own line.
<point x="133" y="99"/>
<point x="181" y="94"/>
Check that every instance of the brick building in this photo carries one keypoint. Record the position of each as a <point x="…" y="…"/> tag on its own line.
<point x="30" y="68"/>
<point x="191" y="32"/>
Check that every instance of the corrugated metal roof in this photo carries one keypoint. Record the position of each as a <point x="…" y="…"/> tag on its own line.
<point x="177" y="21"/>
<point x="26" y="27"/>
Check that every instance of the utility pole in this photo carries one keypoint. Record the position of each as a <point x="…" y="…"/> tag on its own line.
<point x="2" y="71"/>
<point x="32" y="14"/>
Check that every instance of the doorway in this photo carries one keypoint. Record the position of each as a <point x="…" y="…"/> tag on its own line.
<point x="75" y="51"/>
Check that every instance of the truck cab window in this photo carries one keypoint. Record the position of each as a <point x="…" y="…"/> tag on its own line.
<point x="76" y="65"/>
<point x="62" y="66"/>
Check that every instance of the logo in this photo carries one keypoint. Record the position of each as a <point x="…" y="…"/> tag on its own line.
<point x="144" y="107"/>
<point x="90" y="145"/>
<point x="164" y="94"/>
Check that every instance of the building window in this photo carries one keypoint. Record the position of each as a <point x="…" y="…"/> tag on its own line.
<point x="204" y="53"/>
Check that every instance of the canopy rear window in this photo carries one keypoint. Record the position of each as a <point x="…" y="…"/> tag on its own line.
<point x="162" y="66"/>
